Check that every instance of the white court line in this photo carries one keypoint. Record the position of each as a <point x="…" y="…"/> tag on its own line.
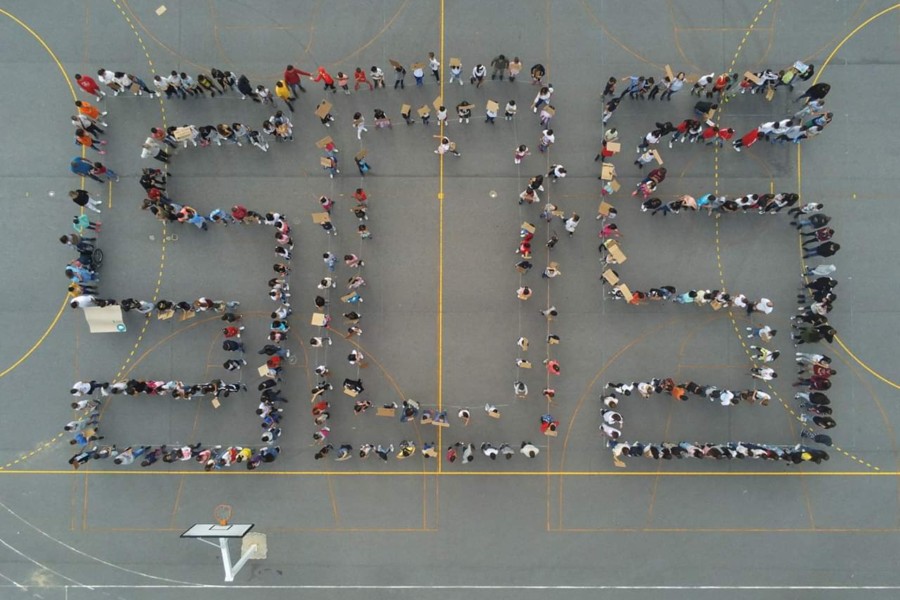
<point x="46" y="568"/>
<point x="848" y="588"/>
<point x="84" y="554"/>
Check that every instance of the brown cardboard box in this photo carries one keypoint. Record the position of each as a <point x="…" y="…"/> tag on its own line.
<point x="323" y="108"/>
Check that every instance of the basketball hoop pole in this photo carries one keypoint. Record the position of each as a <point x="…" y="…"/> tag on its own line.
<point x="231" y="570"/>
<point x="253" y="545"/>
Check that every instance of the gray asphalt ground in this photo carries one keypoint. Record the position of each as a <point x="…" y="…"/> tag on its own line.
<point x="440" y="315"/>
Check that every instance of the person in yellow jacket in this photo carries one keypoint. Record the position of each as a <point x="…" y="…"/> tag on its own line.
<point x="283" y="92"/>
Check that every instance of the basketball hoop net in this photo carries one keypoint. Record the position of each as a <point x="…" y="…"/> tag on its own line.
<point x="222" y="513"/>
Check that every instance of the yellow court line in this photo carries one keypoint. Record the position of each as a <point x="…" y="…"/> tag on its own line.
<point x="462" y="473"/>
<point x="62" y="70"/>
<point x="40" y="340"/>
<point x="825" y="64"/>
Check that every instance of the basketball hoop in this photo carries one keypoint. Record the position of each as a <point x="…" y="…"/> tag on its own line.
<point x="222" y="513"/>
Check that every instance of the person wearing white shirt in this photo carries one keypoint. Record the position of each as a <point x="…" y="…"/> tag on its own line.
<point x="478" y="73"/>
<point x="489" y="450"/>
<point x="435" y="66"/>
<point x="529" y="450"/>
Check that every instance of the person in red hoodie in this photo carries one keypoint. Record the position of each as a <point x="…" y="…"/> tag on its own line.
<point x="327" y="79"/>
<point x="748" y="140"/>
<point x="90" y="86"/>
<point x="293" y="78"/>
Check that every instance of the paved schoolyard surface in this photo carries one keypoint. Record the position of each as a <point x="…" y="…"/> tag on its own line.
<point x="440" y="316"/>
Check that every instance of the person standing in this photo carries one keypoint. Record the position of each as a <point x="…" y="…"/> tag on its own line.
<point x="343" y="81"/>
<point x="672" y="87"/>
<point x="85" y="139"/>
<point x="323" y="76"/>
<point x="359" y="122"/>
<point x="293" y="78"/>
<point x="377" y="76"/>
<point x="359" y="77"/>
<point x="514" y="68"/>
<point x="100" y="170"/>
<point x="152" y="149"/>
<point x="89" y="85"/>
<point x="83" y="168"/>
<point x="824" y="250"/>
<point x="478" y="73"/>
<point x="510" y="110"/>
<point x="81" y="121"/>
<point x="572" y="223"/>
<point x="547" y="140"/>
<point x="83" y="198"/>
<point x="435" y="66"/>
<point x="499" y="65"/>
<point x="400" y="76"/>
<point x="418" y="75"/>
<point x="456" y="73"/>
<point x="282" y="91"/>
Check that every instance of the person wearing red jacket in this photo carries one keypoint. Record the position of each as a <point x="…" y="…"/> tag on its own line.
<point x="293" y="79"/>
<point x="723" y="136"/>
<point x="748" y="140"/>
<point x="360" y="77"/>
<point x="327" y="79"/>
<point x="89" y="85"/>
<point x="709" y="134"/>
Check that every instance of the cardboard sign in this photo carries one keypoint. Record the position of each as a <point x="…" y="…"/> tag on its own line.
<point x="319" y="218"/>
<point x="318" y="320"/>
<point x="611" y="277"/>
<point x="607" y="172"/>
<point x="614" y="147"/>
<point x="418" y="65"/>
<point x="626" y="293"/>
<point x="604" y="208"/>
<point x="615" y="185"/>
<point x="494" y="414"/>
<point x="440" y="423"/>
<point x="656" y="157"/>
<point x="752" y="77"/>
<point x="323" y="108"/>
<point x="215" y="402"/>
<point x="325" y="161"/>
<point x="383" y="411"/>
<point x="669" y="73"/>
<point x="263" y="370"/>
<point x="770" y="93"/>
<point x="346" y="297"/>
<point x="528" y="227"/>
<point x="465" y="106"/>
<point x="437" y="103"/>
<point x="405" y="110"/>
<point x="187" y="315"/>
<point x="615" y="252"/>
<point x="351" y="392"/>
<point x="492" y="106"/>
<point x="455" y="62"/>
<point x="361" y="154"/>
<point x="182" y="133"/>
<point x="423" y="110"/>
<point x="324" y="142"/>
<point x="551" y="432"/>
<point x="549" y="110"/>
<point x="395" y="63"/>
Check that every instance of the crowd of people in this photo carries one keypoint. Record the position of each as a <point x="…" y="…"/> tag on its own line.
<point x="816" y="296"/>
<point x="162" y="141"/>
